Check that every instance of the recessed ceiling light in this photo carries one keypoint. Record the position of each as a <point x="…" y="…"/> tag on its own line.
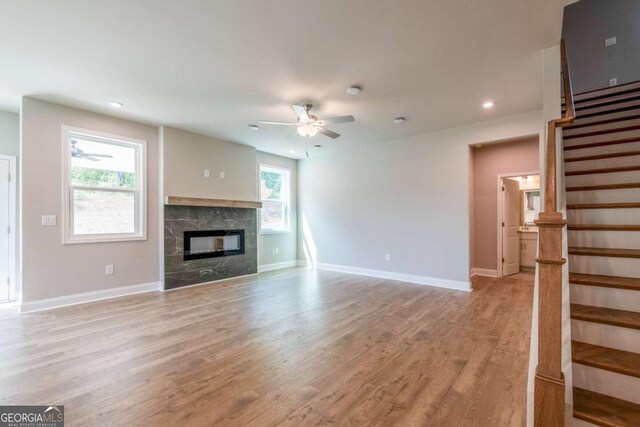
<point x="317" y="145"/>
<point x="254" y="127"/>
<point x="399" y="120"/>
<point x="292" y="151"/>
<point x="353" y="90"/>
<point x="488" y="104"/>
<point x="115" y="104"/>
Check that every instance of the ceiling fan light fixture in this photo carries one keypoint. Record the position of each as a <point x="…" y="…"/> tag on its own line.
<point x="307" y="130"/>
<point x="254" y="127"/>
<point x="115" y="104"/>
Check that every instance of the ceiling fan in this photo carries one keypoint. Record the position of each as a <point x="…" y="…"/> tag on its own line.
<point x="80" y="154"/>
<point x="309" y="125"/>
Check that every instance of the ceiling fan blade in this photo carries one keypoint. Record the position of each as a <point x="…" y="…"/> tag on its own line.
<point x="93" y="159"/>
<point x="301" y="112"/>
<point x="268" y="122"/>
<point x="106" y="156"/>
<point x="334" y="120"/>
<point x="327" y="132"/>
<point x="292" y="133"/>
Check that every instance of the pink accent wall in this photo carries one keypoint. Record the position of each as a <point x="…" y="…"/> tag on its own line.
<point x="487" y="163"/>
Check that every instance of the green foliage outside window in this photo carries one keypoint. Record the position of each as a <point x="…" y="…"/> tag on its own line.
<point x="102" y="178"/>
<point x="271" y="185"/>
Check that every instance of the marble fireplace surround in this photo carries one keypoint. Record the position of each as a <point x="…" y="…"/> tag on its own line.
<point x="189" y="214"/>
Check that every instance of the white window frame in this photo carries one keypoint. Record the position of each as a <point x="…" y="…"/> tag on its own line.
<point x="287" y="173"/>
<point x="140" y="193"/>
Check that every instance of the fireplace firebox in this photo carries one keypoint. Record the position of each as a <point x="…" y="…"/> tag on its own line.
<point x="213" y="243"/>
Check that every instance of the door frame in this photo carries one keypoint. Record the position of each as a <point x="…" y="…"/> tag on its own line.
<point x="501" y="176"/>
<point x="13" y="285"/>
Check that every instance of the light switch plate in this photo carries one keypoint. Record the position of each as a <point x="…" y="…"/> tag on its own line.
<point x="613" y="82"/>
<point x="222" y="175"/>
<point x="610" y="41"/>
<point x="206" y="173"/>
<point x="48" y="220"/>
<point x="108" y="269"/>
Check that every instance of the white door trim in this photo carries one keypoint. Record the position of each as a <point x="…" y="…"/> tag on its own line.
<point x="499" y="221"/>
<point x="13" y="288"/>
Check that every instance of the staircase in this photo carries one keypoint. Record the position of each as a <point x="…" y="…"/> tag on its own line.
<point x="602" y="179"/>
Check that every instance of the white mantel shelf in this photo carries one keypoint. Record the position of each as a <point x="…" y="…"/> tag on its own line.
<point x="213" y="203"/>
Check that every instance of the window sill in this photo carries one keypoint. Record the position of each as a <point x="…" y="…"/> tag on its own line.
<point x="100" y="239"/>
<point x="275" y="232"/>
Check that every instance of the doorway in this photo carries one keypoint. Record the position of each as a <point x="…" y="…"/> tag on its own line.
<point x="519" y="205"/>
<point x="8" y="287"/>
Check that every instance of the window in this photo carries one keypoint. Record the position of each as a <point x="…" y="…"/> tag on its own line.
<point x="276" y="199"/>
<point x="104" y="184"/>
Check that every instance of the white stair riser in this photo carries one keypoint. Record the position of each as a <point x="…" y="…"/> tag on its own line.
<point x="601" y="127"/>
<point x="620" y="299"/>
<point x="603" y="163"/>
<point x="592" y="151"/>
<point x="602" y="178"/>
<point x="605" y="239"/>
<point x="606" y="335"/>
<point x="606" y="382"/>
<point x="603" y="216"/>
<point x="586" y="120"/>
<point x="619" y="195"/>
<point x="606" y="266"/>
<point x="606" y="108"/>
<point x="601" y="138"/>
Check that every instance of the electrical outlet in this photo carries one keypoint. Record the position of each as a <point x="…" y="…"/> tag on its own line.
<point x="613" y="82"/>
<point x="109" y="269"/>
<point x="206" y="173"/>
<point x="48" y="220"/>
<point x="222" y="175"/>
<point x="610" y="41"/>
<point x="388" y="257"/>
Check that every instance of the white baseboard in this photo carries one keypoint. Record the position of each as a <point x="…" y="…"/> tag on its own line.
<point x="49" y="303"/>
<point x="484" y="272"/>
<point x="410" y="278"/>
<point x="277" y="266"/>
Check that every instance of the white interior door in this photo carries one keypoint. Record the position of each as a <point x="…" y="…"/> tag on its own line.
<point x="4" y="228"/>
<point x="510" y="224"/>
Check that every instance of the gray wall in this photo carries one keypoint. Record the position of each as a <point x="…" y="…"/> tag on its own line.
<point x="586" y="25"/>
<point x="186" y="155"/>
<point x="409" y="198"/>
<point x="286" y="243"/>
<point x="51" y="269"/>
<point x="9" y="133"/>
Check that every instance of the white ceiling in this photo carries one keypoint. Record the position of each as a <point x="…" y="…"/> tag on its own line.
<point x="213" y="67"/>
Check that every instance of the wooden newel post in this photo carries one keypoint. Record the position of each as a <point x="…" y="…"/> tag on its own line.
<point x="549" y="380"/>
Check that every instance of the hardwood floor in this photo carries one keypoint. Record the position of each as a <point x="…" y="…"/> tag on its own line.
<point x="290" y="347"/>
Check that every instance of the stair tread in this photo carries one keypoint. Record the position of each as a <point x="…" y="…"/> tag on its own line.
<point x="605" y="281"/>
<point x="603" y="170"/>
<point x="604" y="187"/>
<point x="604" y="410"/>
<point x="605" y="227"/>
<point x="601" y="143"/>
<point x="602" y="156"/>
<point x="631" y="205"/>
<point x="609" y="359"/>
<point x="610" y="252"/>
<point x="579" y="125"/>
<point x="602" y="132"/>
<point x="607" y="316"/>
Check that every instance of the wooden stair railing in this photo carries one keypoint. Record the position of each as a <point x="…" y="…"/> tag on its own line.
<point x="549" y="402"/>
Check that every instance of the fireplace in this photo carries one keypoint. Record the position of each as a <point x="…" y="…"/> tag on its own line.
<point x="213" y="243"/>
